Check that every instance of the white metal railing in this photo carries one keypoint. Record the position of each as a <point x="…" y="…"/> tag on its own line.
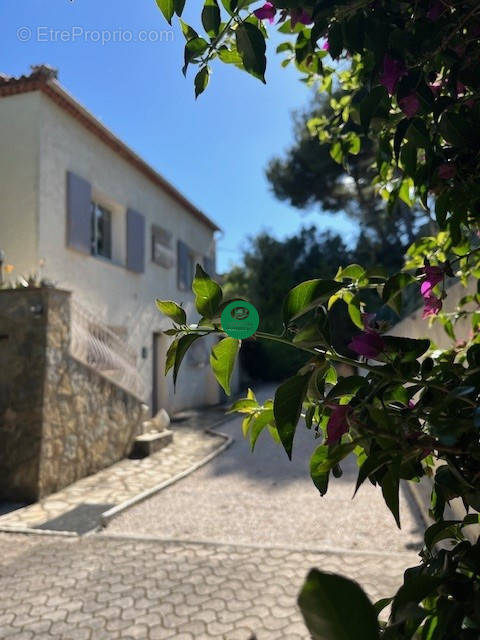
<point x="99" y="347"/>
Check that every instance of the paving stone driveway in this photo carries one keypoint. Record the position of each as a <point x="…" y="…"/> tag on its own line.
<point x="223" y="555"/>
<point x="101" y="588"/>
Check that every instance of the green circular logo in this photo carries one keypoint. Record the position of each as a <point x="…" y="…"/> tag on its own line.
<point x="240" y="319"/>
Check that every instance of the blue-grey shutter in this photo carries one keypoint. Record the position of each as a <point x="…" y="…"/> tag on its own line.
<point x="135" y="241"/>
<point x="183" y="266"/>
<point x="79" y="213"/>
<point x="209" y="265"/>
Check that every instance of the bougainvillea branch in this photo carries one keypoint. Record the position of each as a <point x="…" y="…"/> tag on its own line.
<point x="404" y="74"/>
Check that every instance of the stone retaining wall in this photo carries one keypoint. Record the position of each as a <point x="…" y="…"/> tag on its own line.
<point x="60" y="420"/>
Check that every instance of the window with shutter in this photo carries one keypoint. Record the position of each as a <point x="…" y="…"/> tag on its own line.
<point x="79" y="213"/>
<point x="101" y="231"/>
<point x="162" y="253"/>
<point x="135" y="241"/>
<point x="185" y="266"/>
<point x="209" y="265"/>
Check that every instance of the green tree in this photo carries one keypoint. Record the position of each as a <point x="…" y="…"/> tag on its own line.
<point x="271" y="267"/>
<point x="309" y="176"/>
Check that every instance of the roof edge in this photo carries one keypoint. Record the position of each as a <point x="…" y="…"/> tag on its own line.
<point x="44" y="79"/>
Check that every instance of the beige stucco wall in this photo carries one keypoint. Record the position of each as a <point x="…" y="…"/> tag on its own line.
<point x="20" y="150"/>
<point x="118" y="297"/>
<point x="413" y="326"/>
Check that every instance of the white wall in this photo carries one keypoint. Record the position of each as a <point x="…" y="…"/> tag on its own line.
<point x="19" y="156"/>
<point x="45" y="132"/>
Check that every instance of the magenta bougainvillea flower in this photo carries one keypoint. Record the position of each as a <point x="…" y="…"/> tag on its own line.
<point x="447" y="171"/>
<point x="409" y="105"/>
<point x="300" y="15"/>
<point x="326" y="45"/>
<point x="267" y="12"/>
<point x="436" y="87"/>
<point x="392" y="71"/>
<point x="368" y="344"/>
<point x="432" y="276"/>
<point x="432" y="306"/>
<point x="338" y="422"/>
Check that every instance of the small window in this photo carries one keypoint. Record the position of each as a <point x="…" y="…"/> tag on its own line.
<point x="186" y="266"/>
<point x="101" y="231"/>
<point x="162" y="253"/>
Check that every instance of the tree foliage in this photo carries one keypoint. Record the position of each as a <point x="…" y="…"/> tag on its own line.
<point x="411" y="83"/>
<point x="270" y="267"/>
<point x="309" y="176"/>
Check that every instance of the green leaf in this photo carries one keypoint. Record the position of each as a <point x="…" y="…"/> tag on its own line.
<point x="411" y="593"/>
<point x="353" y="143"/>
<point x="417" y="133"/>
<point x="353" y="272"/>
<point x="392" y="291"/>
<point x="172" y="310"/>
<point x="188" y="31"/>
<point x="335" y="39"/>
<point x="208" y="294"/>
<point x="355" y="312"/>
<point x="258" y="425"/>
<point x="347" y="386"/>
<point x="230" y="6"/>
<point x="179" y="6"/>
<point x="371" y="104"/>
<point x="381" y="604"/>
<point x="456" y="130"/>
<point x="408" y="349"/>
<point x="399" y="136"/>
<point x="336" y="152"/>
<point x="335" y="608"/>
<point x="324" y="460"/>
<point x="311" y="335"/>
<point x="408" y="157"/>
<point x="246" y="425"/>
<point x="194" y="49"/>
<point x="372" y="464"/>
<point x="184" y="345"/>
<point x="211" y="17"/>
<point x="222" y="361"/>
<point x="440" y="531"/>
<point x="390" y="484"/>
<point x="167" y="7"/>
<point x="287" y="408"/>
<point x="230" y="56"/>
<point x="251" y="46"/>
<point x="331" y="375"/>
<point x="170" y="357"/>
<point x="306" y="296"/>
<point x="442" y="208"/>
<point x="396" y="284"/>
<point x="201" y="81"/>
<point x="244" y="405"/>
<point x="274" y="433"/>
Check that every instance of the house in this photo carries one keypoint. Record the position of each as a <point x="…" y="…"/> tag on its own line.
<point x="107" y="227"/>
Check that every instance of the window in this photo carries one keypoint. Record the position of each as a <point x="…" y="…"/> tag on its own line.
<point x="101" y="231"/>
<point x="162" y="253"/>
<point x="186" y="266"/>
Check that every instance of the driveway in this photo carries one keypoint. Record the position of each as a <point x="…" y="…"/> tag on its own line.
<point x="219" y="555"/>
<point x="264" y="499"/>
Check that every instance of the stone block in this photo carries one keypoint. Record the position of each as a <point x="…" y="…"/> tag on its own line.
<point x="149" y="443"/>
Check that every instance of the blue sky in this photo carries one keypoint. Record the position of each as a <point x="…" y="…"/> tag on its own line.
<point x="214" y="150"/>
